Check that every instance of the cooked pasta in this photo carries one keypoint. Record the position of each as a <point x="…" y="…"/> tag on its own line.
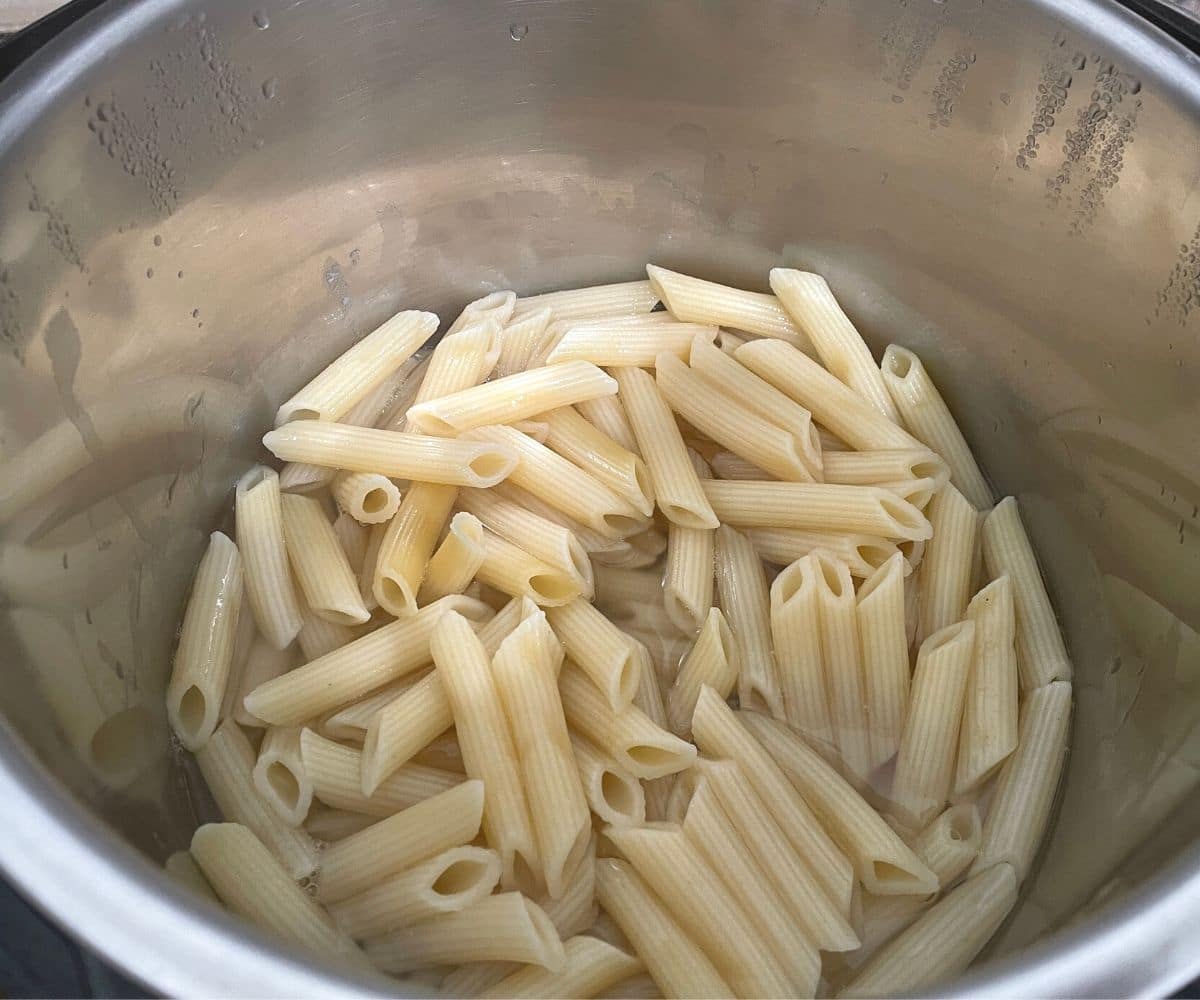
<point x="526" y="574"/>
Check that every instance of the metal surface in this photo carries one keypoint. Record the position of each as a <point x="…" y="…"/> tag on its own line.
<point x="199" y="208"/>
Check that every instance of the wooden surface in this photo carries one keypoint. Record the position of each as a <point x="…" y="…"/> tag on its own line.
<point x="16" y="14"/>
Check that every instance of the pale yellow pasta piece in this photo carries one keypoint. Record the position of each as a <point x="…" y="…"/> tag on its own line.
<point x="454" y="565"/>
<point x="400" y="841"/>
<point x="494" y="305"/>
<point x="563" y="485"/>
<point x="621" y="470"/>
<point x="518" y="339"/>
<point x="280" y="777"/>
<point x="368" y="497"/>
<point x="612" y="793"/>
<point x="948" y="561"/>
<point x="712" y="660"/>
<point x="990" y="716"/>
<point x="446" y="883"/>
<point x="598" y="648"/>
<point x="833" y="404"/>
<point x="884" y="640"/>
<point x="505" y="927"/>
<point x="513" y="397"/>
<point x="925" y="413"/>
<point x="259" y="532"/>
<point x="320" y="565"/>
<point x="461" y="360"/>
<point x="364" y="366"/>
<point x="184" y="871"/>
<point x="407" y="544"/>
<point x="950" y="843"/>
<point x="204" y="656"/>
<point x="866" y="510"/>
<point x="677" y="488"/>
<point x="796" y="635"/>
<point x="675" y="961"/>
<point x="368" y="663"/>
<point x="863" y="554"/>
<point x="694" y="300"/>
<point x="591" y="966"/>
<point x="487" y="743"/>
<point x="251" y="882"/>
<point x="627" y="298"/>
<point x="869" y="468"/>
<point x="403" y="456"/>
<point x="525" y="670"/>
<point x="402" y="728"/>
<point x="317" y="637"/>
<point x="810" y="303"/>
<point x="607" y="415"/>
<point x="883" y="863"/>
<point x="512" y="570"/>
<point x="624" y="345"/>
<point x="1041" y="652"/>
<point x="925" y="764"/>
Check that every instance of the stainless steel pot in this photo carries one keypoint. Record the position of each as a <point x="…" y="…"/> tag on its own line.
<point x="201" y="204"/>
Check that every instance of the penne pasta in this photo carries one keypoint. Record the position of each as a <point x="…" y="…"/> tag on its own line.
<point x="494" y="305"/>
<point x="719" y="733"/>
<point x="449" y="882"/>
<point x="1028" y="780"/>
<point x="563" y="485"/>
<point x="259" y="532"/>
<point x="628" y="298"/>
<point x="336" y="775"/>
<point x="687" y="586"/>
<point x="331" y="825"/>
<point x="356" y="669"/>
<point x="518" y="339"/>
<point x="948" y="561"/>
<point x="301" y="477"/>
<point x="989" y="725"/>
<point x="810" y="303"/>
<point x="317" y="637"/>
<point x="884" y="642"/>
<point x="514" y="397"/>
<point x="842" y="656"/>
<point x="694" y="300"/>
<point x="711" y="831"/>
<point x="487" y="743"/>
<point x="622" y="471"/>
<point x="950" y="843"/>
<point x="762" y="398"/>
<point x="624" y="345"/>
<point x="865" y="510"/>
<point x="461" y="360"/>
<point x="407" y="544"/>
<point x="505" y="927"/>
<point x="607" y="415"/>
<point x="702" y="904"/>
<point x="320" y="565"/>
<point x="184" y="871"/>
<point x="833" y="404"/>
<point x="454" y="565"/>
<point x="280" y="777"/>
<point x="368" y="497"/>
<point x="883" y="863"/>
<point x="727" y="465"/>
<point x="525" y="671"/>
<point x="400" y="841"/>
<point x="599" y="649"/>
<point x="925" y="763"/>
<point x="862" y="554"/>
<point x="590" y="967"/>
<point x="512" y="570"/>
<point x="731" y="423"/>
<point x="896" y="465"/>
<point x="744" y="598"/>
<point x="712" y="660"/>
<point x="263" y="663"/>
<point x="676" y="962"/>
<point x="925" y="412"/>
<point x="645" y="750"/>
<point x="227" y="763"/>
<point x="945" y="939"/>
<point x="204" y="656"/>
<point x="677" y="488"/>
<point x="364" y="366"/>
<point x="547" y="540"/>
<point x="402" y="728"/>
<point x="796" y="636"/>
<point x="390" y="453"/>
<point x="1041" y="653"/>
<point x="612" y="793"/>
<point x="251" y="883"/>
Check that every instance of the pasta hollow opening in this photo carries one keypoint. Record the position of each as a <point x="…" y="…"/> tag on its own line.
<point x="645" y="755"/>
<point x="193" y="707"/>
<point x="906" y="515"/>
<point x="299" y="413"/>
<point x="898" y="362"/>
<point x="951" y="633"/>
<point x="397" y="596"/>
<point x="617" y="794"/>
<point x="887" y="873"/>
<point x="490" y="467"/>
<point x="874" y="555"/>
<point x="374" y="501"/>
<point x="552" y="587"/>
<point x="682" y="516"/>
<point x="829" y="573"/>
<point x="284" y="784"/>
<point x="460" y="877"/>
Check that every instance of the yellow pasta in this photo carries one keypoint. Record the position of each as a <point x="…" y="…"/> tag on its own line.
<point x="796" y="634"/>
<point x="745" y="600"/>
<point x="712" y="660"/>
<point x="598" y="648"/>
<point x="407" y="544"/>
<point x="600" y="456"/>
<point x="320" y="565"/>
<point x="512" y="570"/>
<point x="623" y="345"/>
<point x="259" y="522"/>
<point x="368" y="497"/>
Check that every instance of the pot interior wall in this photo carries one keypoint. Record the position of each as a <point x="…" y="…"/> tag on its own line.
<point x="200" y="210"/>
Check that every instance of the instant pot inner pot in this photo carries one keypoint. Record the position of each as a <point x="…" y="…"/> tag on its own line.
<point x="204" y="204"/>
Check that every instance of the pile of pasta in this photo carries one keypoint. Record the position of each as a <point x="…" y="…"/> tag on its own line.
<point x="464" y="683"/>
